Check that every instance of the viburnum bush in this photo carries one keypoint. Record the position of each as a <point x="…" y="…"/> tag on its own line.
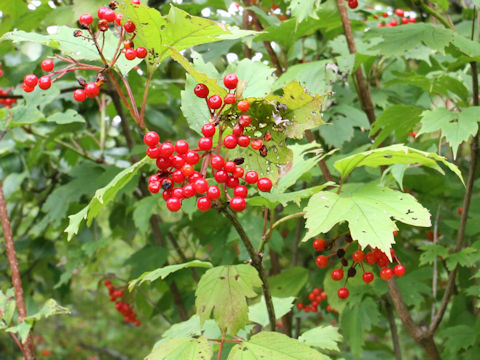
<point x="239" y="180"/>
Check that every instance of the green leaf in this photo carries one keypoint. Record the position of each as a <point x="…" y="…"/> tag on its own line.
<point x="182" y="349"/>
<point x="259" y="77"/>
<point x="163" y="272"/>
<point x="368" y="209"/>
<point x="398" y="119"/>
<point x="458" y="337"/>
<point x="102" y="197"/>
<point x="323" y="337"/>
<point x="7" y="304"/>
<point x="274" y="198"/>
<point x="223" y="290"/>
<point x="50" y="308"/>
<point x="258" y="313"/>
<point x="67" y="117"/>
<point x="466" y="257"/>
<point x="430" y="252"/>
<point x="191" y="328"/>
<point x="288" y="282"/>
<point x="273" y="345"/>
<point x="144" y="209"/>
<point x="394" y="154"/>
<point x="455" y="127"/>
<point x="302" y="9"/>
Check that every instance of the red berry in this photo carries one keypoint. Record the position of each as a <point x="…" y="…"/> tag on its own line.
<point x="316" y="291"/>
<point x="213" y="192"/>
<point x="337" y="274"/>
<point x="319" y="244"/>
<point x="162" y="163"/>
<point x="85" y="19"/>
<point x="192" y="157"/>
<point x="353" y="4"/>
<point x="232" y="182"/>
<point x="92" y="90"/>
<point x="256" y="144"/>
<point x="321" y="261"/>
<point x="394" y="22"/>
<point x="367" y="277"/>
<point x="154" y="187"/>
<point x="151" y="138"/>
<point x="107" y="283"/>
<point x="245" y="120"/>
<point x="399" y="270"/>
<point x="201" y="91"/>
<point x="243" y="105"/>
<point x="412" y="20"/>
<point x="200" y="186"/>
<point x="229" y="99"/>
<point x="154" y="178"/>
<point x="129" y="27"/>
<point x="167" y="194"/>
<point x="405" y="20"/>
<point x="187" y="170"/>
<point x="214" y="102"/>
<point x="30" y="80"/>
<point x="217" y="162"/>
<point x="181" y="147"/>
<point x="460" y="211"/>
<point x="251" y="177"/>
<point x="204" y="203"/>
<point x="177" y="161"/>
<point x="153" y="152"/>
<point x="230" y="167"/>
<point x="382" y="260"/>
<point x="358" y="256"/>
<point x="237" y="130"/>
<point x="79" y="95"/>
<point x="243" y="141"/>
<point x="329" y="308"/>
<point x="178" y="177"/>
<point x="311" y="297"/>
<point x="385" y="14"/>
<point x="386" y="273"/>
<point x="238" y="172"/>
<point x="300" y="306"/>
<point x="208" y="130"/>
<point x="174" y="204"/>
<point x="238" y="203"/>
<point x="130" y="54"/>
<point x="101" y="12"/>
<point x="109" y="15"/>
<point x="240" y="191"/>
<point x="230" y="142"/>
<point x="371" y="258"/>
<point x="167" y="150"/>
<point x="44" y="82"/>
<point x="230" y="81"/>
<point x="343" y="293"/>
<point x="47" y="65"/>
<point x="399" y="12"/>
<point x="102" y="25"/>
<point x="307" y="308"/>
<point x="205" y="143"/>
<point x="221" y="176"/>
<point x="138" y="323"/>
<point x="264" y="184"/>
<point x="118" y="19"/>
<point x="136" y="2"/>
<point x="178" y="193"/>
<point x="189" y="191"/>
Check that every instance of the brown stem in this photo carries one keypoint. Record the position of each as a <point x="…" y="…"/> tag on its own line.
<point x="246" y="26"/>
<point x="139" y="120"/>
<point x="29" y="351"/>
<point x="120" y="93"/>
<point x="256" y="262"/>
<point x="397" y="350"/>
<point x="321" y="162"/>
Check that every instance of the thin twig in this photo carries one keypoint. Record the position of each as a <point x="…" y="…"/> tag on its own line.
<point x="397" y="350"/>
<point x="435" y="270"/>
<point x="323" y="165"/>
<point x="276" y="224"/>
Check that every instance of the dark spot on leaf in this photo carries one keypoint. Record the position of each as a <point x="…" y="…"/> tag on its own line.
<point x="387" y="156"/>
<point x="237" y="277"/>
<point x="222" y="277"/>
<point x="414" y="218"/>
<point x="409" y="212"/>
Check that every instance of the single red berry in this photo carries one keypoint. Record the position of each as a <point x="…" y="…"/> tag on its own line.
<point x="460" y="211"/>
<point x="107" y="283"/>
<point x="129" y="27"/>
<point x="136" y="2"/>
<point x="307" y="308"/>
<point x="154" y="178"/>
<point x="30" y="80"/>
<point x="405" y="20"/>
<point x="238" y="172"/>
<point x="244" y="120"/>
<point x="221" y="176"/>
<point x="337" y="274"/>
<point x="101" y="12"/>
<point x="181" y="147"/>
<point x="230" y="142"/>
<point x="217" y="162"/>
<point x="311" y="297"/>
<point x="153" y="152"/>
<point x="204" y="203"/>
<point x="213" y="192"/>
<point x="138" y="323"/>
<point x="177" y="161"/>
<point x="256" y="144"/>
<point x="237" y="130"/>
<point x="109" y="15"/>
<point x="367" y="277"/>
<point x="141" y="52"/>
<point x="154" y="187"/>
<point x="230" y="81"/>
<point x="413" y="19"/>
<point x="214" y="102"/>
<point x="343" y="293"/>
<point x="238" y="203"/>
<point x="243" y="141"/>
<point x="47" y="65"/>
<point x="167" y="150"/>
<point x="251" y="177"/>
<point x="130" y="54"/>
<point x="44" y="82"/>
<point x="319" y="244"/>
<point x="92" y="90"/>
<point x="358" y="256"/>
<point x="300" y="306"/>
<point x="187" y="170"/>
<point x="385" y="14"/>
<point x="178" y="177"/>
<point x="178" y="193"/>
<point x="371" y="258"/>
<point x="162" y="163"/>
<point x="201" y="186"/>
<point x="151" y="138"/>
<point x="316" y="291"/>
<point x="167" y="194"/>
<point x="232" y="182"/>
<point x="189" y="191"/>
<point x="192" y="157"/>
<point x="240" y="191"/>
<point x="229" y="99"/>
<point x="399" y="12"/>
<point x="208" y="130"/>
<point x="205" y="143"/>
<point x="321" y="261"/>
<point x="394" y="22"/>
<point x="85" y="19"/>
<point x="386" y="273"/>
<point x="118" y="19"/>
<point x="264" y="184"/>
<point x="230" y="167"/>
<point x="399" y="270"/>
<point x="382" y="260"/>
<point x="243" y="105"/>
<point x="201" y="91"/>
<point x="174" y="204"/>
<point x="353" y="4"/>
<point x="329" y="308"/>
<point x="79" y="95"/>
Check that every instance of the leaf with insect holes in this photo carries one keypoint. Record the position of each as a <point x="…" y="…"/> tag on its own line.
<point x="182" y="348"/>
<point x="368" y="209"/>
<point x="273" y="345"/>
<point x="223" y="291"/>
<point x="102" y="197"/>
<point x="394" y="154"/>
<point x="455" y="127"/>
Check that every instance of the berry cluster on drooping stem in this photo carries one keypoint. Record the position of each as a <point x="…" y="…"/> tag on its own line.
<point x="176" y="174"/>
<point x="316" y="296"/>
<point x="375" y="256"/>
<point x="122" y="307"/>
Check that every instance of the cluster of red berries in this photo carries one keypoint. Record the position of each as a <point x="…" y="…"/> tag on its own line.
<point x="44" y="82"/>
<point x="316" y="296"/>
<point x="401" y="20"/>
<point x="176" y="162"/>
<point x="375" y="256"/>
<point x="122" y="307"/>
<point x="7" y="102"/>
